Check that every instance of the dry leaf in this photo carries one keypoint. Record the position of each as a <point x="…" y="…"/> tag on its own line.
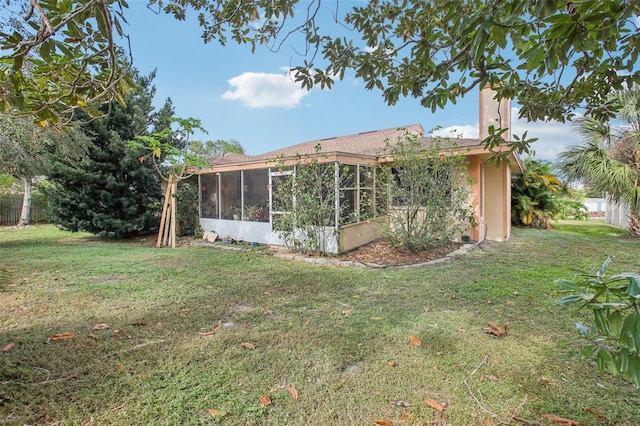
<point x="61" y="336"/>
<point x="293" y="392"/>
<point x="217" y="413"/>
<point x="120" y="367"/>
<point x="495" y="330"/>
<point x="415" y="340"/>
<point x="554" y="418"/>
<point x="383" y="422"/>
<point x="93" y="336"/>
<point x="118" y="331"/>
<point x="487" y="422"/>
<point x="594" y="412"/>
<point x="490" y="377"/>
<point x="265" y="400"/>
<point x="248" y="345"/>
<point x="8" y="347"/>
<point x="392" y="363"/>
<point x="402" y="403"/>
<point x="101" y="326"/>
<point x="434" y="404"/>
<point x="268" y="312"/>
<point x="346" y="312"/>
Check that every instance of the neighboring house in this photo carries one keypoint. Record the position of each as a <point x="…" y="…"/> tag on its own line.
<point x="236" y="190"/>
<point x="595" y="207"/>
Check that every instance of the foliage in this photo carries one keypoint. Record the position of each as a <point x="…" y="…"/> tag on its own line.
<point x="61" y="56"/>
<point x="428" y="192"/>
<point x="572" y="209"/>
<point x="536" y="195"/>
<point x="215" y="148"/>
<point x="614" y="336"/>
<point x="25" y="150"/>
<point x="110" y="192"/>
<point x="304" y="201"/>
<point x="554" y="56"/>
<point x="169" y="159"/>
<point x="608" y="160"/>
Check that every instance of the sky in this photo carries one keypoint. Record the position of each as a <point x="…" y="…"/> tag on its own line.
<point x="249" y="97"/>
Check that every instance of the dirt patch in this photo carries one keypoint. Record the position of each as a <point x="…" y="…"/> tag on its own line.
<point x="382" y="253"/>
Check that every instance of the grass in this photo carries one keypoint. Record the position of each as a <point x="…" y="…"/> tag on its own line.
<point x="178" y="320"/>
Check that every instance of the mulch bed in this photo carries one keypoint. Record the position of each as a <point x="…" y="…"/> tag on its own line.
<point x="382" y="253"/>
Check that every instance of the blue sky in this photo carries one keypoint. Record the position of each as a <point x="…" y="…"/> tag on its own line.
<point x="250" y="98"/>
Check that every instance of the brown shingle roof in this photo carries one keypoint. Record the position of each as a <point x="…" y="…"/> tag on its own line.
<point x="373" y="143"/>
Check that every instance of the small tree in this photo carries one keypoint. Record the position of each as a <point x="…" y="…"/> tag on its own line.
<point x="172" y="165"/>
<point x="304" y="201"/>
<point x="428" y="193"/>
<point x="25" y="149"/>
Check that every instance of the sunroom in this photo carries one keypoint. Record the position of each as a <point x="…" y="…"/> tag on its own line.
<point x="251" y="200"/>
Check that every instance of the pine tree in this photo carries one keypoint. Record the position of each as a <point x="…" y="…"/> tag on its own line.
<point x="110" y="192"/>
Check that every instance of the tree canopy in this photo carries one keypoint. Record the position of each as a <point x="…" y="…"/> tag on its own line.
<point x="553" y="56"/>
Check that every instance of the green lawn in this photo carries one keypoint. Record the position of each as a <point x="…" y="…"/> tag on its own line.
<point x="195" y="329"/>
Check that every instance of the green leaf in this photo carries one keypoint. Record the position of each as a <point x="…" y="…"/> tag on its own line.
<point x="587" y="351"/>
<point x="600" y="317"/>
<point x="606" y="362"/>
<point x="633" y="371"/>
<point x="622" y="360"/>
<point x="605" y="265"/>
<point x="615" y="323"/>
<point x="630" y="335"/>
<point x="566" y="285"/>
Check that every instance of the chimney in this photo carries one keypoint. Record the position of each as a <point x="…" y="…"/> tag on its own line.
<point x="494" y="112"/>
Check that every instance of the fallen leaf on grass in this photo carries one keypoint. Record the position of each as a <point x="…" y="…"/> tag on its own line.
<point x="594" y="412"/>
<point x="248" y="345"/>
<point x="495" y="330"/>
<point x="93" y="336"/>
<point x="293" y="392"/>
<point x="402" y="403"/>
<point x="487" y="422"/>
<point x="392" y="363"/>
<point x="118" y="331"/>
<point x="265" y="400"/>
<point x="60" y="336"/>
<point x="217" y="413"/>
<point x="346" y="312"/>
<point x="434" y="404"/>
<point x="213" y="330"/>
<point x="120" y="367"/>
<point x="554" y="418"/>
<point x="382" y="422"/>
<point x="490" y="377"/>
<point x="415" y="340"/>
<point x="101" y="326"/>
<point x="8" y="347"/>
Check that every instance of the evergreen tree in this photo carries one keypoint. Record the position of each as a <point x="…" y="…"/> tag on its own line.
<point x="110" y="192"/>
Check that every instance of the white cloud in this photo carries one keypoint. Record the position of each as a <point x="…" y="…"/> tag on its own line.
<point x="553" y="136"/>
<point x="464" y="131"/>
<point x="262" y="90"/>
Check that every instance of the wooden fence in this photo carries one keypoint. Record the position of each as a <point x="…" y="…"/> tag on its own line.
<point x="11" y="205"/>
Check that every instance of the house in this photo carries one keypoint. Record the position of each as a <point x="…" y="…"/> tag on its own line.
<point x="236" y="191"/>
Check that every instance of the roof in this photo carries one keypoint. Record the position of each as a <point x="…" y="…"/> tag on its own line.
<point x="372" y="144"/>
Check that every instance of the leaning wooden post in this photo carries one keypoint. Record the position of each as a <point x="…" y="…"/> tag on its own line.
<point x="163" y="218"/>
<point x="174" y="185"/>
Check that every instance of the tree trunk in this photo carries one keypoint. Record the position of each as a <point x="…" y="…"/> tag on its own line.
<point x="25" y="213"/>
<point x="634" y="222"/>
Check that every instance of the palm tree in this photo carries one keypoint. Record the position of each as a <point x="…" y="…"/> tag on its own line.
<point x="609" y="161"/>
